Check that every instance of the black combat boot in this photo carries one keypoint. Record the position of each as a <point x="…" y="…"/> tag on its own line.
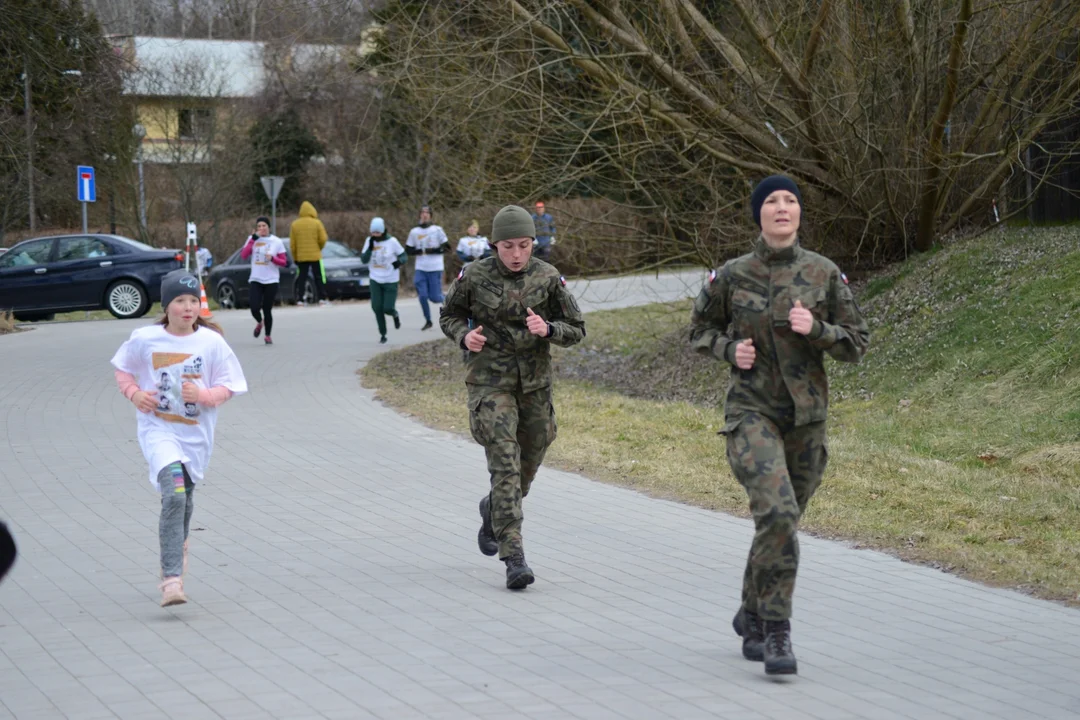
<point x="486" y="537"/>
<point x="518" y="574"/>
<point x="753" y="636"/>
<point x="738" y="621"/>
<point x="779" y="659"/>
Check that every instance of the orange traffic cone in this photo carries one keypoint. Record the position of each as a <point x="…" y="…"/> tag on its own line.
<point x="204" y="307"/>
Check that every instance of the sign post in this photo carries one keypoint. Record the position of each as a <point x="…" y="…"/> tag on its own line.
<point x="191" y="255"/>
<point x="86" y="189"/>
<point x="272" y="187"/>
<point x="191" y="246"/>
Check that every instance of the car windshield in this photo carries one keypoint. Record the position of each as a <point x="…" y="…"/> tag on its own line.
<point x="337" y="250"/>
<point x="133" y="243"/>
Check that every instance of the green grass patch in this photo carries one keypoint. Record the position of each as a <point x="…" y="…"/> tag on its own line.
<point x="84" y="315"/>
<point x="955" y="443"/>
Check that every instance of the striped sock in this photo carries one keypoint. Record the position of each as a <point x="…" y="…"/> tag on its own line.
<point x="177" y="471"/>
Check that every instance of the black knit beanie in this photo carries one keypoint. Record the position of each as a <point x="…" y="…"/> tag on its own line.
<point x="262" y="218"/>
<point x="767" y="187"/>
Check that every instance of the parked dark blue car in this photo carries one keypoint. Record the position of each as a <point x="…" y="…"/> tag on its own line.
<point x="48" y="275"/>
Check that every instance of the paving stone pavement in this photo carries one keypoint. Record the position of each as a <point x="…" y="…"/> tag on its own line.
<point x="335" y="572"/>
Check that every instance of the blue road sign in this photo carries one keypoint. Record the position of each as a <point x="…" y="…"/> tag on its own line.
<point x="87" y="188"/>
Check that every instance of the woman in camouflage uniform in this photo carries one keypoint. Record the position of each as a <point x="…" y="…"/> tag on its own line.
<point x="772" y="315"/>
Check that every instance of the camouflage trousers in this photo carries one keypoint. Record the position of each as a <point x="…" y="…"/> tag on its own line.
<point x="515" y="429"/>
<point x="780" y="466"/>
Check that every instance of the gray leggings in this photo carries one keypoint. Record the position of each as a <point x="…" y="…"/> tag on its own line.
<point x="177" y="502"/>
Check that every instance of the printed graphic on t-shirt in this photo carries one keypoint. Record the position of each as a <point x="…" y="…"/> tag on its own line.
<point x="473" y="247"/>
<point x="260" y="253"/>
<point x="383" y="256"/>
<point x="171" y="371"/>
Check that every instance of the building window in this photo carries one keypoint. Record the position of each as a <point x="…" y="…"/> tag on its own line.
<point x="195" y="123"/>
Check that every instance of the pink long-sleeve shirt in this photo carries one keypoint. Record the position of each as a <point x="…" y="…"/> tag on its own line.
<point x="210" y="397"/>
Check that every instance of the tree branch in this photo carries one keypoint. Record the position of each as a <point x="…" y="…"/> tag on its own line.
<point x="791" y="74"/>
<point x="815" y="40"/>
<point x="666" y="73"/>
<point x="924" y="237"/>
<point x="1064" y="97"/>
<point x="735" y="59"/>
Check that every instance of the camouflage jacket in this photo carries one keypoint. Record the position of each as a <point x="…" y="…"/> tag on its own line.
<point x="488" y="294"/>
<point x="750" y="297"/>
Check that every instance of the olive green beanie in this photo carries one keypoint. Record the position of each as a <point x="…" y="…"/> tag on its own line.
<point x="512" y="222"/>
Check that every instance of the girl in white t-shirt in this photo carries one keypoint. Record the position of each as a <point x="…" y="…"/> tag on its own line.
<point x="472" y="246"/>
<point x="384" y="255"/>
<point x="177" y="372"/>
<point x="267" y="253"/>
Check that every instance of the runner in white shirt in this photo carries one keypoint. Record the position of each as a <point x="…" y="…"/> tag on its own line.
<point x="384" y="256"/>
<point x="473" y="246"/>
<point x="177" y="372"/>
<point x="267" y="253"/>
<point x="428" y="242"/>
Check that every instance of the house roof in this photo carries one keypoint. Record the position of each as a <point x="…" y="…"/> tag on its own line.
<point x="180" y="67"/>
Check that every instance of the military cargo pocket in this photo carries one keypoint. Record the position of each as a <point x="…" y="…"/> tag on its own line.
<point x="488" y="294"/>
<point x="476" y="425"/>
<point x="553" y="425"/>
<point x="747" y="308"/>
<point x="703" y="302"/>
<point x="815" y="301"/>
<point x="537" y="300"/>
<point x="730" y="426"/>
<point x="569" y="305"/>
<point x="488" y="299"/>
<point x="736" y="461"/>
<point x="749" y="300"/>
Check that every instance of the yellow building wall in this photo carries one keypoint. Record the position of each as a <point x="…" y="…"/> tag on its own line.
<point x="161" y="117"/>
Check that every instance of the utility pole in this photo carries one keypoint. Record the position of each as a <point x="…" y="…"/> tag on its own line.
<point x="140" y="132"/>
<point x="28" y="111"/>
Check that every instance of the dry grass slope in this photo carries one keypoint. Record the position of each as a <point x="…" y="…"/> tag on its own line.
<point x="956" y="443"/>
<point x="7" y="323"/>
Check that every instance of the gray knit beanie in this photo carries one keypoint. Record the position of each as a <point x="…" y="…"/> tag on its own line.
<point x="512" y="222"/>
<point x="177" y="283"/>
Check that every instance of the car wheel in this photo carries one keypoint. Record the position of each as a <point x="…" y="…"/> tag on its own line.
<point x="309" y="291"/>
<point x="226" y="295"/>
<point x="127" y="299"/>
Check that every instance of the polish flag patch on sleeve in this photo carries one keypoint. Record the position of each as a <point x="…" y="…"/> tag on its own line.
<point x="844" y="278"/>
<point x="461" y="273"/>
<point x="562" y="280"/>
<point x="712" y="276"/>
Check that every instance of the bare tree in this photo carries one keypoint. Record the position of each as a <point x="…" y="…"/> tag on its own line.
<point x="296" y="20"/>
<point x="201" y="147"/>
<point x="902" y="119"/>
